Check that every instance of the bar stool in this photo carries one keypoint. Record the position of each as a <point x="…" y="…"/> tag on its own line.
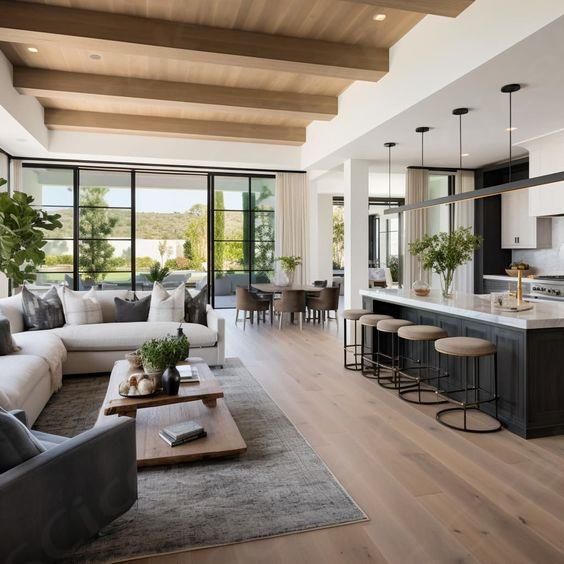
<point x="422" y="372"/>
<point x="474" y="349"/>
<point x="352" y="315"/>
<point x="393" y="382"/>
<point x="369" y="354"/>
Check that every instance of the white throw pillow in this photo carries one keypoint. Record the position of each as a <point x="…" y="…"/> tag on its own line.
<point x="165" y="306"/>
<point x="80" y="308"/>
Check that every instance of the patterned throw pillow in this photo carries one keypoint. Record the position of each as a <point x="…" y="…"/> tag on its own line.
<point x="128" y="311"/>
<point x="195" y="307"/>
<point x="81" y="309"/>
<point x="42" y="312"/>
<point x="165" y="306"/>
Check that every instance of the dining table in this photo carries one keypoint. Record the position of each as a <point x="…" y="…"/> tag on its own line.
<point x="269" y="288"/>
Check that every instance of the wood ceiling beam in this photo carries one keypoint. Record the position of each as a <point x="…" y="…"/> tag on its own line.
<point x="172" y="127"/>
<point x="48" y="83"/>
<point x="24" y="22"/>
<point x="450" y="8"/>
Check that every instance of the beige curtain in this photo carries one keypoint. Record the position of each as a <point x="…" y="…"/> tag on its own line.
<point x="415" y="224"/>
<point x="292" y="228"/>
<point x="464" y="217"/>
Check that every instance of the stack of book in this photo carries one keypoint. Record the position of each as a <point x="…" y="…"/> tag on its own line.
<point x="181" y="433"/>
<point x="188" y="373"/>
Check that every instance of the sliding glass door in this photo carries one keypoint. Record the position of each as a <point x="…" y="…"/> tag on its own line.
<point x="243" y="234"/>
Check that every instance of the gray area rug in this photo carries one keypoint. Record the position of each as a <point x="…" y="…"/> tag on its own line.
<point x="279" y="486"/>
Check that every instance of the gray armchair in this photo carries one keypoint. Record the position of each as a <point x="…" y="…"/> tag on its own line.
<point x="60" y="498"/>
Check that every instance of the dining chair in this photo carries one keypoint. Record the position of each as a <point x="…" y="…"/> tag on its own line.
<point x="291" y="301"/>
<point x="325" y="302"/>
<point x="247" y="301"/>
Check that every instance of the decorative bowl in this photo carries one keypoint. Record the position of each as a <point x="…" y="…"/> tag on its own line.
<point x="515" y="271"/>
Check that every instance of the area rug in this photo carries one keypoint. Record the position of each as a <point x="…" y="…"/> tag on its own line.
<point x="279" y="486"/>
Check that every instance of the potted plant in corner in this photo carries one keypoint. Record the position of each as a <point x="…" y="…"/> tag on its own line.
<point x="289" y="265"/>
<point x="445" y="252"/>
<point x="22" y="236"/>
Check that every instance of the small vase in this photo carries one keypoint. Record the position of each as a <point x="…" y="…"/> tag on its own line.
<point x="446" y="284"/>
<point x="290" y="276"/>
<point x="421" y="288"/>
<point x="171" y="381"/>
<point x="281" y="278"/>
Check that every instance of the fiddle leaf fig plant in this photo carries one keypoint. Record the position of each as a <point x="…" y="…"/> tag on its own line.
<point x="22" y="236"/>
<point x="445" y="252"/>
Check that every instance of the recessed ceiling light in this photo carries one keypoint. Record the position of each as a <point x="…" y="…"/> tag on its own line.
<point x="465" y="155"/>
<point x="510" y="128"/>
<point x="33" y="49"/>
<point x="21" y="140"/>
<point x="379" y="17"/>
<point x="95" y="56"/>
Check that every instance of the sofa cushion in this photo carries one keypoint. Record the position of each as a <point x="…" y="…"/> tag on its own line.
<point x="82" y="308"/>
<point x="19" y="376"/>
<point x="17" y="444"/>
<point x="42" y="312"/>
<point x="12" y="308"/>
<point x="129" y="336"/>
<point x="128" y="311"/>
<point x="167" y="306"/>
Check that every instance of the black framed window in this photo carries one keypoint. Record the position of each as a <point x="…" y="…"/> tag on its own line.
<point x="243" y="234"/>
<point x="104" y="224"/>
<point x="53" y="190"/>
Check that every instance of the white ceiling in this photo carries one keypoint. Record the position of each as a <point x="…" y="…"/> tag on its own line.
<point x="538" y="109"/>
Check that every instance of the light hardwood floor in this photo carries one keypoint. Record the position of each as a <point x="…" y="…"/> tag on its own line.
<point x="432" y="494"/>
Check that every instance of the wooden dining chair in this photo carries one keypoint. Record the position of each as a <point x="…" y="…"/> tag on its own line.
<point x="291" y="301"/>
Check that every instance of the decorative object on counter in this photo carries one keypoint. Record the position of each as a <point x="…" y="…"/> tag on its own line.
<point x="134" y="359"/>
<point x="136" y="385"/>
<point x="289" y="264"/>
<point x="516" y="267"/>
<point x="445" y="252"/>
<point x="23" y="236"/>
<point x="420" y="287"/>
<point x="507" y="301"/>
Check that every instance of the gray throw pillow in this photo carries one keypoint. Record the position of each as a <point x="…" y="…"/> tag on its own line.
<point x="195" y="307"/>
<point x="17" y="444"/>
<point x="42" y="312"/>
<point x="130" y="311"/>
<point x="7" y="345"/>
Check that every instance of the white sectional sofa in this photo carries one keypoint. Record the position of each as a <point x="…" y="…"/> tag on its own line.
<point x="30" y="376"/>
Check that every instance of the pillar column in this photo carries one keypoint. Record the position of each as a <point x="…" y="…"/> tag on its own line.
<point x="356" y="230"/>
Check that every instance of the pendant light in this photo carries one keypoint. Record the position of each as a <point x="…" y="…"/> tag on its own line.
<point x="460" y="112"/>
<point x="389" y="146"/>
<point x="510" y="89"/>
<point x="422" y="130"/>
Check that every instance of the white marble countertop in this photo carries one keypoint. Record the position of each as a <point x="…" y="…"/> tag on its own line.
<point x="474" y="306"/>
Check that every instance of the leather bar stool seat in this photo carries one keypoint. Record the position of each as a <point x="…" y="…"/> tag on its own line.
<point x="465" y="347"/>
<point x="422" y="333"/>
<point x="392" y="325"/>
<point x="355" y="314"/>
<point x="372" y="319"/>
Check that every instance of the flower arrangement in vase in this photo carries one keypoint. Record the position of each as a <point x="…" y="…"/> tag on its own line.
<point x="289" y="264"/>
<point x="444" y="252"/>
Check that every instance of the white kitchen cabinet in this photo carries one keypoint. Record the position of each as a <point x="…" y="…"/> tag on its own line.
<point x="519" y="230"/>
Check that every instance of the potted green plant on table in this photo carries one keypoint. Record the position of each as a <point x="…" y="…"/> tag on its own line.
<point x="157" y="273"/>
<point x="289" y="264"/>
<point x="22" y="236"/>
<point x="160" y="357"/>
<point x="444" y="252"/>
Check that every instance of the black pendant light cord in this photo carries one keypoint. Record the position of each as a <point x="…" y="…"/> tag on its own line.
<point x="510" y="89"/>
<point x="460" y="112"/>
<point x="422" y="130"/>
<point x="389" y="147"/>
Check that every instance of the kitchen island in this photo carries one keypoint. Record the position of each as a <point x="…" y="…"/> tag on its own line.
<point x="530" y="347"/>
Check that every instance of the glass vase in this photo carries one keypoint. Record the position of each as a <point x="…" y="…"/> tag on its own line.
<point x="447" y="280"/>
<point x="421" y="288"/>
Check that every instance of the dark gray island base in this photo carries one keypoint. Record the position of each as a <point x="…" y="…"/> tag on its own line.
<point x="530" y="353"/>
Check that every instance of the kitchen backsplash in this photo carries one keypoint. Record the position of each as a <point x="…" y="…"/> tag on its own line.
<point x="546" y="261"/>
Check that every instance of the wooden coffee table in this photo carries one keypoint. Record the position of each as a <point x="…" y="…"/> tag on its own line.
<point x="202" y="402"/>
